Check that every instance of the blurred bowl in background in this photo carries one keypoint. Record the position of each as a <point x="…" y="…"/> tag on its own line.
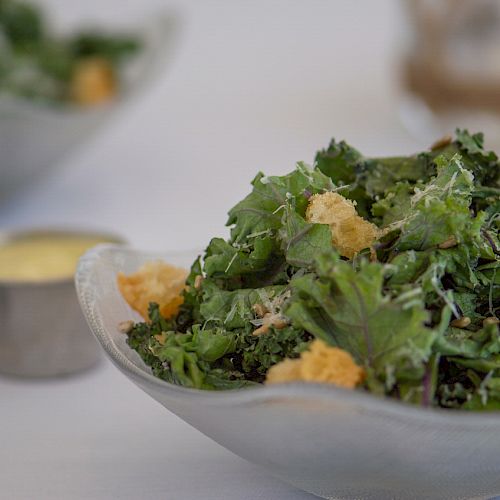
<point x="451" y="68"/>
<point x="35" y="136"/>
<point x="43" y="329"/>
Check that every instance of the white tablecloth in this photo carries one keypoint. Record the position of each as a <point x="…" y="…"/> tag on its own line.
<point x="97" y="436"/>
<point x="253" y="85"/>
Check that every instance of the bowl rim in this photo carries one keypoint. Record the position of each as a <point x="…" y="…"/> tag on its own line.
<point x="362" y="401"/>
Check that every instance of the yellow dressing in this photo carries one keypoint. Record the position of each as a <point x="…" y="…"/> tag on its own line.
<point x="43" y="257"/>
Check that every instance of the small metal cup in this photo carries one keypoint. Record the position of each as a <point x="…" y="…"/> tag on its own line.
<point x="43" y="332"/>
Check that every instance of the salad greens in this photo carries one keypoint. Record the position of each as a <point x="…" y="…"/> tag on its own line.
<point x="418" y="310"/>
<point x="37" y="65"/>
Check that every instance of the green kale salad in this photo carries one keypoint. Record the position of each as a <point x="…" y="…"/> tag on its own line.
<point x="376" y="274"/>
<point x="82" y="69"/>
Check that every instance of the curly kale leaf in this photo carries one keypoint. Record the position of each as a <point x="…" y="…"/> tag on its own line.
<point x="347" y="308"/>
<point x="440" y="210"/>
<point x="258" y="353"/>
<point x="255" y="255"/>
<point x="395" y="203"/>
<point x="21" y="23"/>
<point x="189" y="356"/>
<point x="235" y="309"/>
<point x="369" y="178"/>
<point x="301" y="241"/>
<point x="339" y="162"/>
<point x="483" y="164"/>
<point x="115" y="48"/>
<point x="194" y="359"/>
<point x="257" y="263"/>
<point x="260" y="211"/>
<point x="470" y="368"/>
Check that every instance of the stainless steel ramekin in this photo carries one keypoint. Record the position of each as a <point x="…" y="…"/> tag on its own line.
<point x="42" y="330"/>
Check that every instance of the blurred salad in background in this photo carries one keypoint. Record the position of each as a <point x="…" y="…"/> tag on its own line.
<point x="36" y="64"/>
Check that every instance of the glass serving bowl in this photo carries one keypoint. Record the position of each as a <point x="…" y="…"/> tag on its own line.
<point x="328" y="441"/>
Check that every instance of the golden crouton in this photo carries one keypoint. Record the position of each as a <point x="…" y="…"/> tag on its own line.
<point x="321" y="363"/>
<point x="287" y="370"/>
<point x="154" y="282"/>
<point x="93" y="82"/>
<point x="350" y="232"/>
